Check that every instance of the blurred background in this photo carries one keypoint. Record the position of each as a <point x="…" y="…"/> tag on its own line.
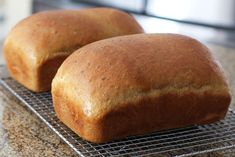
<point x="210" y="21"/>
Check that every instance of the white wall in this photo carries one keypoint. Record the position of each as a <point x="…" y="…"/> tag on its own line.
<point x="206" y="11"/>
<point x="1" y="2"/>
<point x="16" y="10"/>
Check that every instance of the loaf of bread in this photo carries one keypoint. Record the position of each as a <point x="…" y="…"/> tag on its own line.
<point x="36" y="46"/>
<point x="138" y="84"/>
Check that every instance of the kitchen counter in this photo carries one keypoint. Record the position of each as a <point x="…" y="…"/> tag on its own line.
<point x="23" y="134"/>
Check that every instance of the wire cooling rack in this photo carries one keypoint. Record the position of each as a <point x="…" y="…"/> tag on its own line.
<point x="177" y="142"/>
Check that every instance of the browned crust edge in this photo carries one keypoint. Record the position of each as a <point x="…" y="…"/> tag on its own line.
<point x="35" y="78"/>
<point x="148" y="115"/>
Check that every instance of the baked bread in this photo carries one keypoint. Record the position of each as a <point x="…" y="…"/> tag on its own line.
<point x="138" y="84"/>
<point x="36" y="46"/>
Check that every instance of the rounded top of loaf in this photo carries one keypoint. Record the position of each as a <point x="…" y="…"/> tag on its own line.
<point x="57" y="32"/>
<point x="127" y="69"/>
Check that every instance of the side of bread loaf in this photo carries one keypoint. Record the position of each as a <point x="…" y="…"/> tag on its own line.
<point x="36" y="46"/>
<point x="138" y="84"/>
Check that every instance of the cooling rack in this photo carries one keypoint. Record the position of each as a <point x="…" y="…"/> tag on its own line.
<point x="176" y="142"/>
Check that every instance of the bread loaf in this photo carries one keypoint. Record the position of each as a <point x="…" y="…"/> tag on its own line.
<point x="138" y="84"/>
<point x="36" y="46"/>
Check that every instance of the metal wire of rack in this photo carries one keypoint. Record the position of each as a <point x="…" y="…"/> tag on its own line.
<point x="176" y="142"/>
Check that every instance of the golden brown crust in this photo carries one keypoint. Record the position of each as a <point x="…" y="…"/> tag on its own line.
<point x="138" y="84"/>
<point x="47" y="35"/>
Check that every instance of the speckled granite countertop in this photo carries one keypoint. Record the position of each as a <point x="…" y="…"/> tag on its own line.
<point x="23" y="134"/>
